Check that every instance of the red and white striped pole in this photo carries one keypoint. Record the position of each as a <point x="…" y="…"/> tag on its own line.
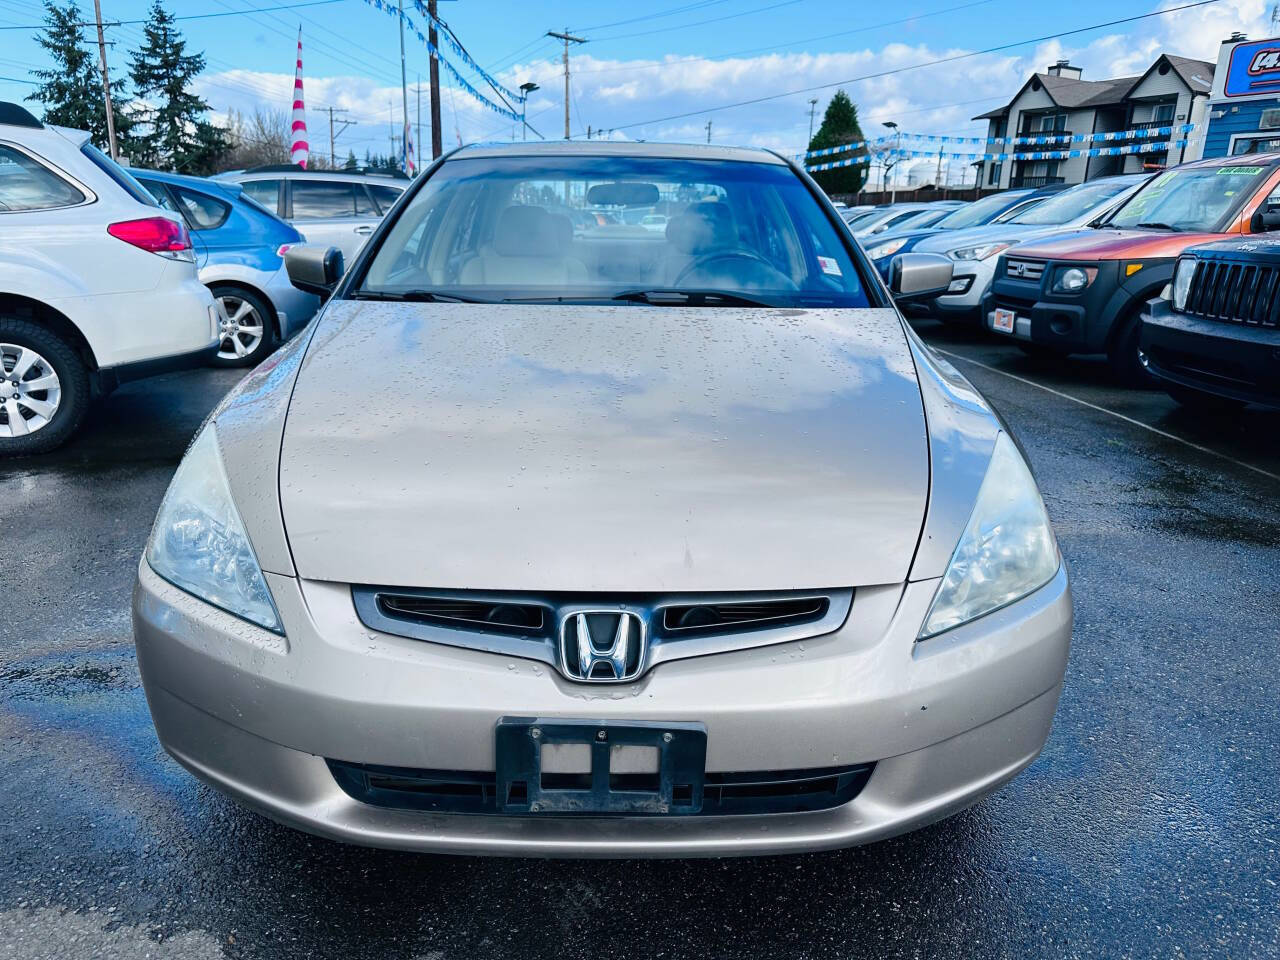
<point x="299" y="151"/>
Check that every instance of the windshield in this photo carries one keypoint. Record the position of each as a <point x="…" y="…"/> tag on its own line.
<point x="979" y="212"/>
<point x="602" y="228"/>
<point x="1195" y="199"/>
<point x="1071" y="204"/>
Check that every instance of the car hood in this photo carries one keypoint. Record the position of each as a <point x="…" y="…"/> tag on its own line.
<point x="1111" y="244"/>
<point x="582" y="448"/>
<point x="990" y="233"/>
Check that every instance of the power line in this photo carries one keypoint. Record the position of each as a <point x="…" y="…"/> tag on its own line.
<point x="654" y="16"/>
<point x="699" y="23"/>
<point x="661" y="64"/>
<point x="192" y="16"/>
<point x="916" y="66"/>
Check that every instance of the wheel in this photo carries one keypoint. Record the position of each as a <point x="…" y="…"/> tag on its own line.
<point x="1122" y="355"/>
<point x="44" y="388"/>
<point x="247" y="335"/>
<point x="1201" y="401"/>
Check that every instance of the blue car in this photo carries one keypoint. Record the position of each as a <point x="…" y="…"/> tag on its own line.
<point x="989" y="209"/>
<point x="239" y="247"/>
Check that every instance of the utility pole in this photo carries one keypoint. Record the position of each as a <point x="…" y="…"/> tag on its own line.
<point x="568" y="38"/>
<point x="417" y="136"/>
<point x="404" y="85"/>
<point x="813" y="105"/>
<point x="437" y="145"/>
<point x="106" y="82"/>
<point x="708" y="131"/>
<point x="937" y="177"/>
<point x="333" y="159"/>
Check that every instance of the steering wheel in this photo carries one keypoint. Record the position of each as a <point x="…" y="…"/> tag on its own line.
<point x="741" y="256"/>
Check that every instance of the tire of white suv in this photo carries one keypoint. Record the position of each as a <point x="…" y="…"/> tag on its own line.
<point x="44" y="388"/>
<point x="250" y="324"/>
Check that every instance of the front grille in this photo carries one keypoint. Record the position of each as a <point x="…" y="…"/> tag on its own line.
<point x="724" y="794"/>
<point x="1243" y="293"/>
<point x="1028" y="270"/>
<point x="689" y="619"/>
<point x="496" y="615"/>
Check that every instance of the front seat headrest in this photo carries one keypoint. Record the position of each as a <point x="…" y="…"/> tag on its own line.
<point x="528" y="231"/>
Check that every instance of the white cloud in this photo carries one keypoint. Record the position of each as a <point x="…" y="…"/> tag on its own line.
<point x="611" y="93"/>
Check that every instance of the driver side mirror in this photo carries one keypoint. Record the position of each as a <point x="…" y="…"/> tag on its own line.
<point x="1265" y="220"/>
<point x="314" y="269"/>
<point x="919" y="276"/>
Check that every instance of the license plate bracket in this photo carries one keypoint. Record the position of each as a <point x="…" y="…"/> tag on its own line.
<point x="675" y="789"/>
<point x="1004" y="320"/>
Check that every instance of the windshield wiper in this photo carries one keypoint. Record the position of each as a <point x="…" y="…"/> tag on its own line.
<point x="414" y="296"/>
<point x="689" y="298"/>
<point x="1157" y="225"/>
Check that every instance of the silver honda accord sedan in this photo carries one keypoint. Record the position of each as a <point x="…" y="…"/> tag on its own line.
<point x="558" y="535"/>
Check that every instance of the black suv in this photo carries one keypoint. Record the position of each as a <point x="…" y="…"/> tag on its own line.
<point x="1215" y="342"/>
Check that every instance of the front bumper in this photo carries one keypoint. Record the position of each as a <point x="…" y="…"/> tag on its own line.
<point x="945" y="721"/>
<point x="1226" y="359"/>
<point x="974" y="279"/>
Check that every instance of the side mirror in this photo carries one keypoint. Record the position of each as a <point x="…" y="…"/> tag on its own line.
<point x="919" y="276"/>
<point x="313" y="268"/>
<point x="1265" y="220"/>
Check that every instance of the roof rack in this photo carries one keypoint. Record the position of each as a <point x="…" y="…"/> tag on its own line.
<point x="17" y="116"/>
<point x="294" y="168"/>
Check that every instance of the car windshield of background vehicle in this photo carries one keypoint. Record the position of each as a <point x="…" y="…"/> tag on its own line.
<point x="1071" y="204"/>
<point x="590" y="229"/>
<point x="28" y="185"/>
<point x="1193" y="199"/>
<point x="975" y="214"/>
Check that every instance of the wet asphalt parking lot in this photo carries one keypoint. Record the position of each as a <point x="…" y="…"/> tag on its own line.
<point x="1149" y="827"/>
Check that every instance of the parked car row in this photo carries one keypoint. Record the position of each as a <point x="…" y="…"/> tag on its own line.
<point x="110" y="274"/>
<point x="1164" y="274"/>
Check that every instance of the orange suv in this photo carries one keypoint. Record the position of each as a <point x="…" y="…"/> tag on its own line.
<point x="1084" y="291"/>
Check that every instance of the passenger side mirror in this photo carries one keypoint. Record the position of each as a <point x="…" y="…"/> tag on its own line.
<point x="313" y="268"/>
<point x="919" y="276"/>
<point x="1265" y="220"/>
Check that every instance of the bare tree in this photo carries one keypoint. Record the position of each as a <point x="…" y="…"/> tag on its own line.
<point x="259" y="138"/>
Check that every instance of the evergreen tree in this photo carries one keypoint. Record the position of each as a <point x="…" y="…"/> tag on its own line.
<point x="839" y="126"/>
<point x="350" y="163"/>
<point x="71" y="91"/>
<point x="178" y="135"/>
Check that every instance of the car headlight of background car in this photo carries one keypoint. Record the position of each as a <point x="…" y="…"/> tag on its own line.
<point x="1007" y="549"/>
<point x="878" y="251"/>
<point x="980" y="252"/>
<point x="199" y="543"/>
<point x="1072" y="279"/>
<point x="1182" y="275"/>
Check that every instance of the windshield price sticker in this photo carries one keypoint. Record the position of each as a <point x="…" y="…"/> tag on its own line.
<point x="829" y="266"/>
<point x="1239" y="171"/>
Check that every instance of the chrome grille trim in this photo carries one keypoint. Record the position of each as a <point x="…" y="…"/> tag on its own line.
<point x="664" y="644"/>
<point x="1021" y="269"/>
<point x="1243" y="293"/>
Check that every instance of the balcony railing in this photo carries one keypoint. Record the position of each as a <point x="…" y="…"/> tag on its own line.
<point x="1056" y="134"/>
<point x="1016" y="182"/>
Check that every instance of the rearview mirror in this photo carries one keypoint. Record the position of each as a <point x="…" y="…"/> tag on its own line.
<point x="1265" y="220"/>
<point x="919" y="276"/>
<point x="623" y="195"/>
<point x="313" y="268"/>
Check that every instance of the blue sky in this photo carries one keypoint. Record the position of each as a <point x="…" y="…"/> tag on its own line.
<point x="724" y="51"/>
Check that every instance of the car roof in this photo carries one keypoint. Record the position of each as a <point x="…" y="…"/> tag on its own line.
<point x="297" y="173"/>
<point x="1239" y="160"/>
<point x="228" y="187"/>
<point x="606" y="148"/>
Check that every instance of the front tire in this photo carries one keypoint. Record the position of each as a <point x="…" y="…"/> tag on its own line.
<point x="247" y="330"/>
<point x="1122" y="355"/>
<point x="44" y="389"/>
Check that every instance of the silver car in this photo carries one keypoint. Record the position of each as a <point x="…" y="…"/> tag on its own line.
<point x="330" y="207"/>
<point x="573" y="543"/>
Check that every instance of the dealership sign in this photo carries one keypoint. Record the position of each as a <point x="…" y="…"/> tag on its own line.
<point x="1254" y="70"/>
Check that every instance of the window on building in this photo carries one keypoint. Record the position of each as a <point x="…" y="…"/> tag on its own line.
<point x="1163" y="113"/>
<point x="993" y="177"/>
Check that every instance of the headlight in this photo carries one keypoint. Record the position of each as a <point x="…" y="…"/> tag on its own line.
<point x="1007" y="549"/>
<point x="1070" y="280"/>
<point x="878" y="251"/>
<point x="199" y="543"/>
<point x="980" y="252"/>
<point x="1182" y="276"/>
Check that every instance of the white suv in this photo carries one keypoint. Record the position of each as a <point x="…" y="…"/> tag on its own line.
<point x="98" y="285"/>
<point x="332" y="208"/>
